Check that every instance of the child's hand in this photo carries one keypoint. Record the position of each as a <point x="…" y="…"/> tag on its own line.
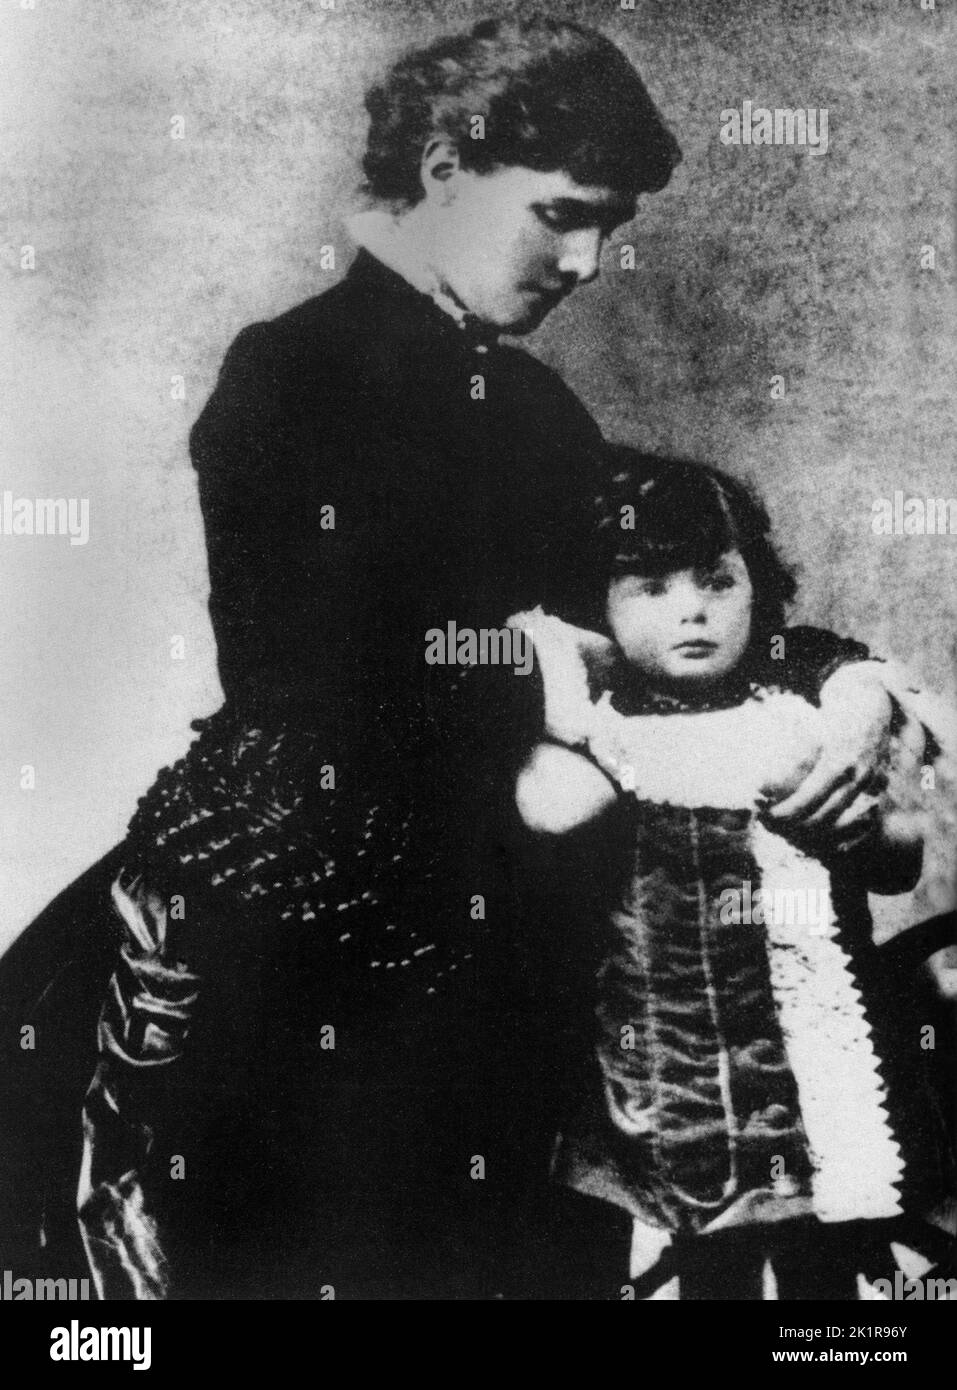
<point x="559" y="790"/>
<point x="564" y="655"/>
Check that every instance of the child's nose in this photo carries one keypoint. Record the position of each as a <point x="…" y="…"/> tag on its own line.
<point x="692" y="603"/>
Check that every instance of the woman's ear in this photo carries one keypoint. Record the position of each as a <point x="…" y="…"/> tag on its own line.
<point x="439" y="170"/>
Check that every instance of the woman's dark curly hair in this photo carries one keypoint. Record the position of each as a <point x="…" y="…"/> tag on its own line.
<point x="553" y="96"/>
<point x="656" y="515"/>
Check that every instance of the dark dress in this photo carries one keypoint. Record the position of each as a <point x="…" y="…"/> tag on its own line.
<point x="446" y="506"/>
<point x="360" y="905"/>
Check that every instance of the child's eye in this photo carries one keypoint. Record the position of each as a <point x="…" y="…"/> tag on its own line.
<point x="717" y="579"/>
<point x="637" y="586"/>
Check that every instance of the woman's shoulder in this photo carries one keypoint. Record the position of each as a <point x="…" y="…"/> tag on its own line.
<point x="301" y="340"/>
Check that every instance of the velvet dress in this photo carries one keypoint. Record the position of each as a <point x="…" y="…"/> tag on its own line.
<point x="759" y="1061"/>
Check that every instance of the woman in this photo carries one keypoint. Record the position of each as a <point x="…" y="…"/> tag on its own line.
<point x="307" y="1075"/>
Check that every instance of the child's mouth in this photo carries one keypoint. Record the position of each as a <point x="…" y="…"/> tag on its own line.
<point x="701" y="648"/>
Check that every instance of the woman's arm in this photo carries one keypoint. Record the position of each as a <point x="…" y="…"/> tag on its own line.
<point x="896" y="855"/>
<point x="890" y="855"/>
<point x="878" y="830"/>
<point x="269" y="449"/>
<point x="864" y="725"/>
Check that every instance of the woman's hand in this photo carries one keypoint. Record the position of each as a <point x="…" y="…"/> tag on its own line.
<point x="837" y="800"/>
<point x="559" y="790"/>
<point x="862" y="795"/>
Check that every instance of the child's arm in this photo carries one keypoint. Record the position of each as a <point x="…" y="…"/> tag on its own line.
<point x="558" y="790"/>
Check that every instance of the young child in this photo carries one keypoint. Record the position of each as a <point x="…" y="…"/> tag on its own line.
<point x="758" y="1104"/>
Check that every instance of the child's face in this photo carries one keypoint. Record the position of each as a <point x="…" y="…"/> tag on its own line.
<point x="689" y="627"/>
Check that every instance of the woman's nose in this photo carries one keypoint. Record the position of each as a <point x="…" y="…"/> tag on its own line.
<point x="581" y="256"/>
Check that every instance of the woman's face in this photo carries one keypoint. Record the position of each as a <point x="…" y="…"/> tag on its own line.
<point x="514" y="242"/>
<point x="690" y="627"/>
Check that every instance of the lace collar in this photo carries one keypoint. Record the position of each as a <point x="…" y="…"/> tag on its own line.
<point x="629" y="695"/>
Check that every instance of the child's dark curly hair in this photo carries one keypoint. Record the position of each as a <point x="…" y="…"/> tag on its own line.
<point x="553" y="96"/>
<point x="656" y="515"/>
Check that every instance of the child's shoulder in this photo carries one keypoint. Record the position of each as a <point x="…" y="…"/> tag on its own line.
<point x="801" y="658"/>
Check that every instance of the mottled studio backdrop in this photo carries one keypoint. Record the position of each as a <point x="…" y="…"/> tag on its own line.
<point x="150" y="252"/>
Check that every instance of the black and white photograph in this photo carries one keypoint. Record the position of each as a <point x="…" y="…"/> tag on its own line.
<point x="478" y="538"/>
